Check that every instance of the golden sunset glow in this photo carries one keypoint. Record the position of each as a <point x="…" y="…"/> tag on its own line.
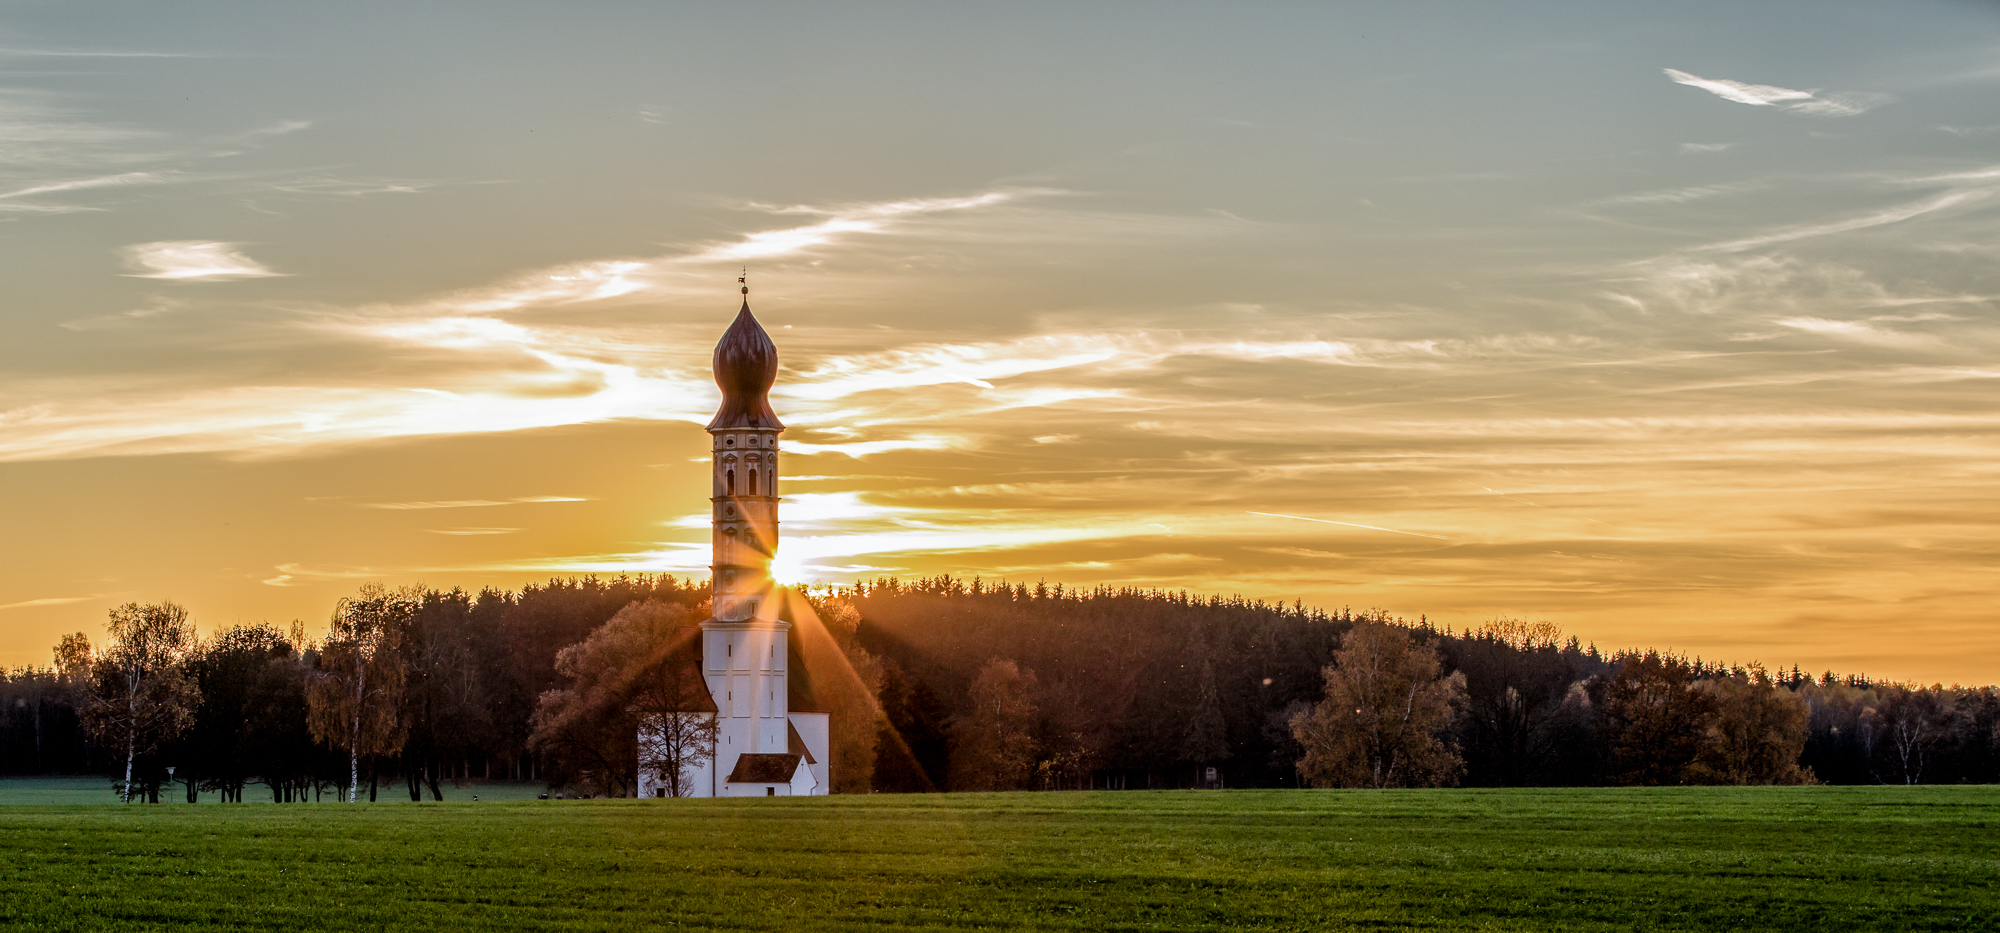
<point x="1670" y="344"/>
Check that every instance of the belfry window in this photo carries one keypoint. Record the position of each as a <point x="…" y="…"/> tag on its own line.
<point x="729" y="481"/>
<point x="754" y="490"/>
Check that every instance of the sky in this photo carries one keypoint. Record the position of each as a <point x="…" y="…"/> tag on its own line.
<point x="1672" y="324"/>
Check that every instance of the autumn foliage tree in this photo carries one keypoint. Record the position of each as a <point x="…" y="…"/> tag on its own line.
<point x="141" y="694"/>
<point x="636" y="670"/>
<point x="1759" y="731"/>
<point x="1387" y="711"/>
<point x="353" y="702"/>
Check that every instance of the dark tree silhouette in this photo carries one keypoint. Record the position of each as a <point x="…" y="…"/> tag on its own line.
<point x="1655" y="721"/>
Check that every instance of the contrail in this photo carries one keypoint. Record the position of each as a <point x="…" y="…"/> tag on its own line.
<point x="1329" y="521"/>
<point x="1526" y="502"/>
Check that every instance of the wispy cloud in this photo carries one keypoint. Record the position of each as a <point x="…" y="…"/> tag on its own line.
<point x="1869" y="331"/>
<point x="859" y="449"/>
<point x="658" y="276"/>
<point x="1328" y="521"/>
<point x="50" y="601"/>
<point x="470" y="503"/>
<point x="859" y="218"/>
<point x="193" y="261"/>
<point x="1879" y="218"/>
<point x="123" y="179"/>
<point x="1679" y="195"/>
<point x="1766" y="95"/>
<point x="58" y="157"/>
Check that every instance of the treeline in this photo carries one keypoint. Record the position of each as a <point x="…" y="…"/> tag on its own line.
<point x="1041" y="687"/>
<point x="420" y="688"/>
<point x="946" y="684"/>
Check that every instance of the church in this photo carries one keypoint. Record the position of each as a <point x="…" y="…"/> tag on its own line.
<point x="767" y="739"/>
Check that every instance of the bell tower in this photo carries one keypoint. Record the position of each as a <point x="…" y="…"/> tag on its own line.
<point x="744" y="496"/>
<point x="762" y="746"/>
<point x="745" y="658"/>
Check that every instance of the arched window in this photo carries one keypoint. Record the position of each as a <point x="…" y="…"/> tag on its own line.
<point x="729" y="482"/>
<point x="754" y="490"/>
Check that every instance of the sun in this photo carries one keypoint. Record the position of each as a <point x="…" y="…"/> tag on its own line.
<point x="789" y="569"/>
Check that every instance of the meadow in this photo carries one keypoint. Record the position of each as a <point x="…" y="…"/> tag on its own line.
<point x="1810" y="858"/>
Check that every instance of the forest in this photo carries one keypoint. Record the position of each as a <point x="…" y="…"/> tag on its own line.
<point x="947" y="684"/>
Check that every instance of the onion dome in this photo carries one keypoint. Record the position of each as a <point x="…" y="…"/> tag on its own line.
<point x="746" y="363"/>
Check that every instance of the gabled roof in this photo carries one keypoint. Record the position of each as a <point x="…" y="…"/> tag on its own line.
<point x="797" y="745"/>
<point x="801" y="695"/>
<point x="764" y="768"/>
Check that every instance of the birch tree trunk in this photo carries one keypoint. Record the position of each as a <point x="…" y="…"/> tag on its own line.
<point x="354" y="743"/>
<point x="131" y="734"/>
<point x="131" y="752"/>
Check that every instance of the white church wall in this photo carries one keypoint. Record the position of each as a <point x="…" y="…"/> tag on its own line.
<point x="804" y="783"/>
<point x="815" y="730"/>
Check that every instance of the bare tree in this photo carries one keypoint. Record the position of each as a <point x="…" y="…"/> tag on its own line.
<point x="678" y="725"/>
<point x="353" y="702"/>
<point x="141" y="694"/>
<point x="678" y="714"/>
<point x="1911" y="722"/>
<point x="1385" y="715"/>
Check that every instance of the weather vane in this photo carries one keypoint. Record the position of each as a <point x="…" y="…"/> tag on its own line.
<point x="744" y="280"/>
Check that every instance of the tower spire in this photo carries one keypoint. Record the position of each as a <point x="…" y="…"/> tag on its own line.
<point x="745" y="458"/>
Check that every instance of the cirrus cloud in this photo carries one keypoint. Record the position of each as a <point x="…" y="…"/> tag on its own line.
<point x="1812" y="102"/>
<point x="193" y="261"/>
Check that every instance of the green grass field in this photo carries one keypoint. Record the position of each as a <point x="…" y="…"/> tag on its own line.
<point x="1817" y="858"/>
